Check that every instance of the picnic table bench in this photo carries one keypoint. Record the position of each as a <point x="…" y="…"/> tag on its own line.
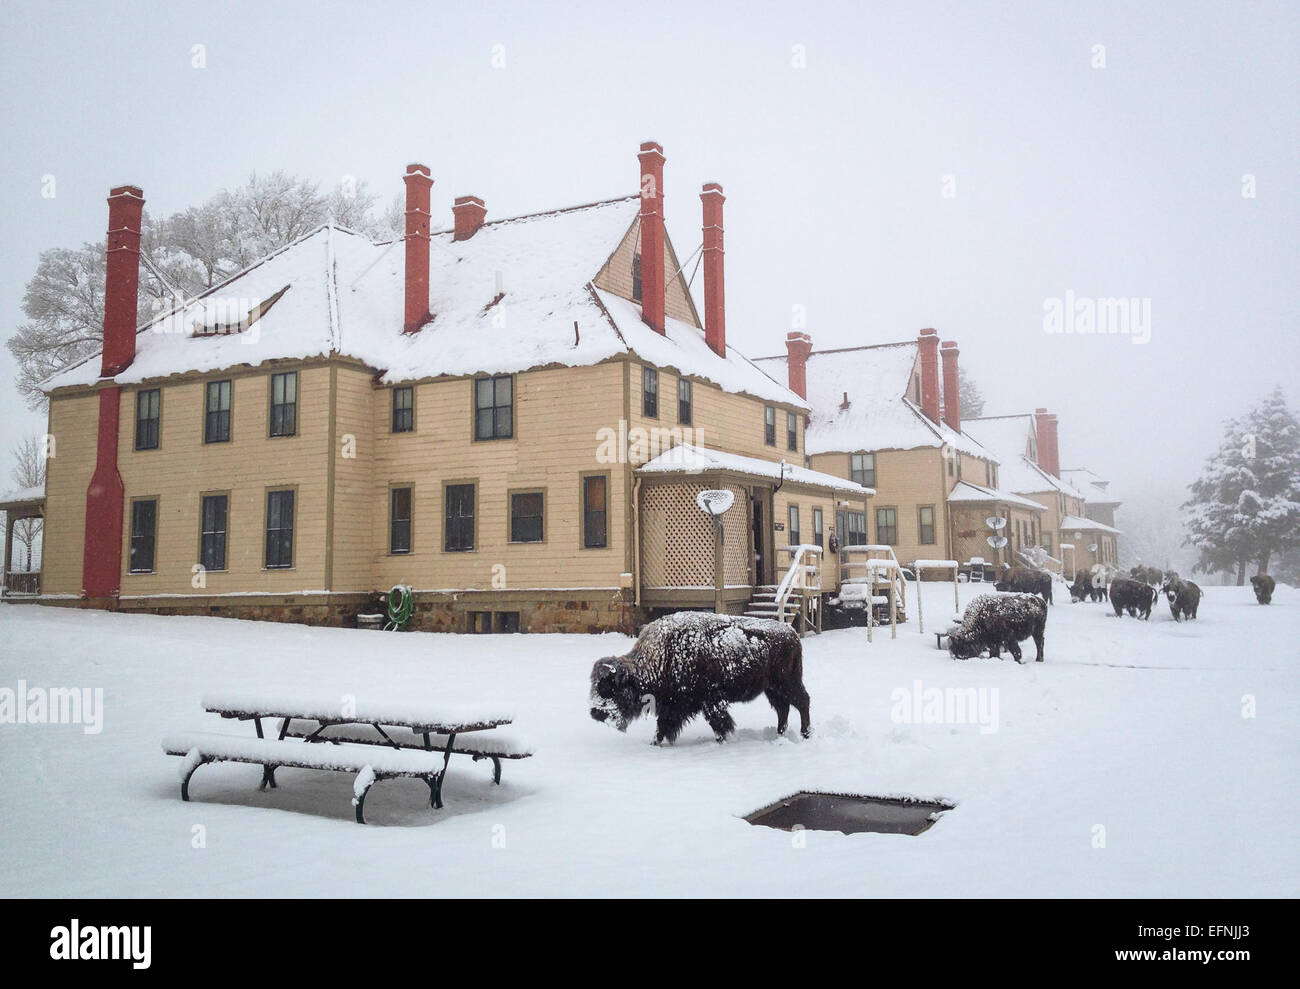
<point x="375" y="740"/>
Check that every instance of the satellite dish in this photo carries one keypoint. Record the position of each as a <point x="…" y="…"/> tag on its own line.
<point x="997" y="542"/>
<point x="1092" y="548"/>
<point x="715" y="501"/>
<point x="1078" y="535"/>
<point x="995" y="522"/>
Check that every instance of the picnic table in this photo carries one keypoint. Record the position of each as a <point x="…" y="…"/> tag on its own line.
<point x="375" y="739"/>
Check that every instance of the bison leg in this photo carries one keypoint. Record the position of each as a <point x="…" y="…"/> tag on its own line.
<point x="1119" y="608"/>
<point x="668" y="726"/>
<point x="719" y="720"/>
<point x="1013" y="647"/>
<point x="782" y="709"/>
<point x="1038" y="643"/>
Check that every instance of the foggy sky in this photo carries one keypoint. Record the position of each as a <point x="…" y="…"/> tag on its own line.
<point x="1119" y="181"/>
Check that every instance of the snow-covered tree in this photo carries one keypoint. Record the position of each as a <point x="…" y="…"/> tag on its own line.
<point x="1245" y="508"/>
<point x="28" y="472"/>
<point x="969" y="394"/>
<point x="187" y="252"/>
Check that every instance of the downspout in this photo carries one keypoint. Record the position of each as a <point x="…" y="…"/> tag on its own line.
<point x="636" y="540"/>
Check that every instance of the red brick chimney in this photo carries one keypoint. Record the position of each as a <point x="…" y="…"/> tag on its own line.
<point x="929" y="344"/>
<point x="125" y="209"/>
<point x="469" y="212"/>
<point x="101" y="561"/>
<point x="419" y="180"/>
<point x="715" y="306"/>
<point x="951" y="386"/>
<point x="651" y="157"/>
<point x="797" y="348"/>
<point x="1048" y="449"/>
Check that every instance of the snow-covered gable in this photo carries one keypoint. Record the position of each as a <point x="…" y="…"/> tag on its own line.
<point x="880" y="416"/>
<point x="1069" y="522"/>
<point x="1095" y="488"/>
<point x="1010" y="438"/>
<point x="516" y="295"/>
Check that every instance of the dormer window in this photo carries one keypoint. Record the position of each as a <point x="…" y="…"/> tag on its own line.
<point x="636" y="277"/>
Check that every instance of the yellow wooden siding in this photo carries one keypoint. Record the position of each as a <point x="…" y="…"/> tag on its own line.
<point x="72" y="423"/>
<point x="558" y="417"/>
<point x="616" y="276"/>
<point x="360" y="410"/>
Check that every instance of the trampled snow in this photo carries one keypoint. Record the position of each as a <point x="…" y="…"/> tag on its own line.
<point x="1141" y="759"/>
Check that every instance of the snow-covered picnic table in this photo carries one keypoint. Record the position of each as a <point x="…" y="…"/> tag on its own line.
<point x="360" y="733"/>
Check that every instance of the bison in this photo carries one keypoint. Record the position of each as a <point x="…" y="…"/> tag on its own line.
<point x="1132" y="596"/>
<point x="1027" y="581"/>
<point x="693" y="663"/>
<point x="1264" y="586"/>
<point x="1184" y="598"/>
<point x="997" y="621"/>
<point x="1082" y="587"/>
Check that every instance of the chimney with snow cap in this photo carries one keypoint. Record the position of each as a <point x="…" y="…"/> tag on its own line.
<point x="651" y="157"/>
<point x="469" y="212"/>
<point x="797" y="348"/>
<point x="928" y="342"/>
<point x="101" y="561"/>
<point x="1048" y="451"/>
<point x="715" y="305"/>
<point x="419" y="182"/>
<point x="951" y="386"/>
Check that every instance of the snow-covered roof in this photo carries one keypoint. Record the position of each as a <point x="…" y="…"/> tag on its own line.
<point x="344" y="293"/>
<point x="1008" y="438"/>
<point x="1070" y="522"/>
<point x="968" y="492"/>
<point x="880" y="416"/>
<point x="1095" y="488"/>
<point x="17" y="496"/>
<point x="686" y="458"/>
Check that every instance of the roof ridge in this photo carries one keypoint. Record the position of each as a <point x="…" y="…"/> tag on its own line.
<point x="843" y="350"/>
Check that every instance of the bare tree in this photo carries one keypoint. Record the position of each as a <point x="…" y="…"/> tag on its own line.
<point x="28" y="472"/>
<point x="193" y="250"/>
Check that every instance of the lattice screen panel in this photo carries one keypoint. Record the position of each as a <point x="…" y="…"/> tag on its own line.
<point x="677" y="538"/>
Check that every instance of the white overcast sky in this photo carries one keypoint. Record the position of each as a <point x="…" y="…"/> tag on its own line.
<point x="1122" y="181"/>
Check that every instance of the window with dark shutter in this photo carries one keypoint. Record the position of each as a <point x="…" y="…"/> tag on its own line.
<point x="216" y="421"/>
<point x="279" y="530"/>
<point x="458" y="531"/>
<point x="684" y="401"/>
<point x="144" y="524"/>
<point x="212" y="534"/>
<point x="284" y="404"/>
<point x="148" y="416"/>
<point x="791" y="431"/>
<point x="526" y="517"/>
<point x="636" y="277"/>
<point x="769" y="425"/>
<point x="594" y="513"/>
<point x="399" y="520"/>
<point x="818" y="533"/>
<point x="794" y="525"/>
<point x="494" y="408"/>
<point x="403" y="409"/>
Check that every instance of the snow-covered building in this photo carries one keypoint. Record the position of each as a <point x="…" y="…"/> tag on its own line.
<point x="1101" y="500"/>
<point x="884" y="416"/>
<point x="1028" y="449"/>
<point x="487" y="413"/>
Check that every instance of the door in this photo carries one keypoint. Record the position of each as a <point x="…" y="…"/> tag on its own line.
<point x="760" y="538"/>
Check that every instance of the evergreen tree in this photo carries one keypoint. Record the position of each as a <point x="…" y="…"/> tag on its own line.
<point x="1245" y="507"/>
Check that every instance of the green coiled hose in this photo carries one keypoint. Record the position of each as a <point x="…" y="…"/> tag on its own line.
<point x="401" y="605"/>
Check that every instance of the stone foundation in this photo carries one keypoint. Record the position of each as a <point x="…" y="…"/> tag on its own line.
<point x="538" y="611"/>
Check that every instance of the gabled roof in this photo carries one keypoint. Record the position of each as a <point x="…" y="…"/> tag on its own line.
<point x="1008" y="437"/>
<point x="965" y="491"/>
<point x="344" y="293"/>
<point x="686" y="458"/>
<point x="1095" y="488"/>
<point x="1069" y="522"/>
<point x="879" y="416"/>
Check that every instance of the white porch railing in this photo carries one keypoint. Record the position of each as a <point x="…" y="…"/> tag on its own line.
<point x="799" y="593"/>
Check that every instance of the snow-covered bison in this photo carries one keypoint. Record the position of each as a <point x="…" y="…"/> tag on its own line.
<point x="1184" y="597"/>
<point x="1027" y="581"/>
<point x="1264" y="586"/>
<point x="1132" y="596"/>
<point x="1083" y="590"/>
<point x="998" y="621"/>
<point x="694" y="663"/>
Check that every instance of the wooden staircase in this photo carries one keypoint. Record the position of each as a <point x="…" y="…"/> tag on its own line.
<point x="797" y="599"/>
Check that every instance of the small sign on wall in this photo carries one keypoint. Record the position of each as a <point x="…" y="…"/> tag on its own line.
<point x="779" y="526"/>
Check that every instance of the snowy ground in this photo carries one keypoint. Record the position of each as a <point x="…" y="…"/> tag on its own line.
<point x="1132" y="727"/>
